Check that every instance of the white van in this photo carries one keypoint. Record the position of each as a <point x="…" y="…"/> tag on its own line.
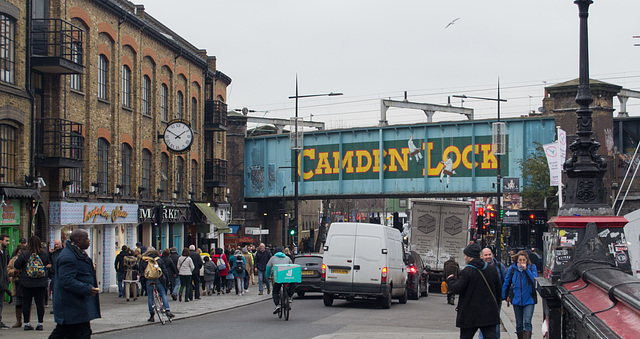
<point x="364" y="261"/>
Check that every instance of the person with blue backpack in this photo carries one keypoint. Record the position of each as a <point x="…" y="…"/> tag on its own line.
<point x="519" y="290"/>
<point x="238" y="265"/>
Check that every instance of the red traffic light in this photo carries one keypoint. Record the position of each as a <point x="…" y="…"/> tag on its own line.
<point x="492" y="215"/>
<point x="480" y="211"/>
<point x="532" y="216"/>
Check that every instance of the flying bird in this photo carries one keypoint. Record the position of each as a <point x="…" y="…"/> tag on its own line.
<point x="452" y="22"/>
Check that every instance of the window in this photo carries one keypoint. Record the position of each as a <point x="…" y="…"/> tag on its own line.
<point x="7" y="154"/>
<point x="7" y="48"/>
<point x="74" y="178"/>
<point x="194" y="178"/>
<point x="103" y="76"/>
<point x="103" y="166"/>
<point x="126" y="86"/>
<point x="76" y="56"/>
<point x="125" y="179"/>
<point x="194" y="113"/>
<point x="164" y="178"/>
<point x="179" y="176"/>
<point x="164" y="102"/>
<point x="146" y="95"/>
<point x="146" y="174"/>
<point x="179" y="104"/>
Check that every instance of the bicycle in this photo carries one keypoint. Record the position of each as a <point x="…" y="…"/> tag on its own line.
<point x="158" y="306"/>
<point x="285" y="302"/>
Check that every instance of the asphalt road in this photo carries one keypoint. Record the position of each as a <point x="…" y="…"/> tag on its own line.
<point x="429" y="317"/>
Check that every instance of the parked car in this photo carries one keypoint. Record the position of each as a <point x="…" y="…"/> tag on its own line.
<point x="363" y="261"/>
<point x="311" y="270"/>
<point x="417" y="276"/>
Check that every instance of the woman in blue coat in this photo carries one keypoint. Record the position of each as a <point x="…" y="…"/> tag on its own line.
<point x="519" y="289"/>
<point x="238" y="271"/>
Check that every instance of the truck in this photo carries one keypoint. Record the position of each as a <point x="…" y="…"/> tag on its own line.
<point x="438" y="230"/>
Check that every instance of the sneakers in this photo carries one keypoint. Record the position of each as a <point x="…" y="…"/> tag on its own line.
<point x="151" y="319"/>
<point x="3" y="326"/>
<point x="39" y="327"/>
<point x="169" y="314"/>
<point x="174" y="297"/>
<point x="277" y="309"/>
<point x="28" y="327"/>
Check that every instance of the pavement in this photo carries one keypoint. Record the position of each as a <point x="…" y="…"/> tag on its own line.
<point x="118" y="314"/>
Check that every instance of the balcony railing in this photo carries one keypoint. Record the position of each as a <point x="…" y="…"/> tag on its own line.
<point x="57" y="47"/>
<point x="215" y="173"/>
<point x="59" y="143"/>
<point x="215" y="115"/>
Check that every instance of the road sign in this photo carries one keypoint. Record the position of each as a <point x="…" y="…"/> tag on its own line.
<point x="511" y="217"/>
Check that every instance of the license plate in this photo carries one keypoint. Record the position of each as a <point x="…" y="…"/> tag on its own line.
<point x="340" y="271"/>
<point x="307" y="272"/>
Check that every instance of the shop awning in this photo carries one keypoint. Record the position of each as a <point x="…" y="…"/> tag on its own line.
<point x="21" y="193"/>
<point x="212" y="217"/>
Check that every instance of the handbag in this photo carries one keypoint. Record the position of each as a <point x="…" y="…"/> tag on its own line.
<point x="444" y="289"/>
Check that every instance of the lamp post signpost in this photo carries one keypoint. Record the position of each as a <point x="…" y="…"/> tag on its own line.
<point x="296" y="144"/>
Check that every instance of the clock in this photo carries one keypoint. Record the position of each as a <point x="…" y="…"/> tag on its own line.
<point x="178" y="136"/>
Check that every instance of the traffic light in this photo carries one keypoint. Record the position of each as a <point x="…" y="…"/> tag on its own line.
<point x="292" y="232"/>
<point x="480" y="227"/>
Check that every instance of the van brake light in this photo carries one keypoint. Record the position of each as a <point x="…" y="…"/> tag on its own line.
<point x="412" y="269"/>
<point x="383" y="276"/>
<point x="324" y="271"/>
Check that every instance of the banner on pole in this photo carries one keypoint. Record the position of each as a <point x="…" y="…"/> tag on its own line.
<point x="553" y="160"/>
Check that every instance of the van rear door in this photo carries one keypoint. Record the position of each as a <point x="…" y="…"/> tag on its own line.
<point x="369" y="259"/>
<point x="340" y="254"/>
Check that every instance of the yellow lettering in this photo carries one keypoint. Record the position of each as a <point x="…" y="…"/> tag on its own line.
<point x="403" y="161"/>
<point x="454" y="150"/>
<point x="360" y="154"/>
<point x="376" y="160"/>
<point x="323" y="163"/>
<point x="336" y="162"/>
<point x="311" y="154"/>
<point x="435" y="170"/>
<point x="347" y="162"/>
<point x="489" y="160"/>
<point x="465" y="156"/>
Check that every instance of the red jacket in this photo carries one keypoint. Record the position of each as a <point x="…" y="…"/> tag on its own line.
<point x="224" y="272"/>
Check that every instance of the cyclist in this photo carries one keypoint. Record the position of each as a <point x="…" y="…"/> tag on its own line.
<point x="278" y="259"/>
<point x="160" y="283"/>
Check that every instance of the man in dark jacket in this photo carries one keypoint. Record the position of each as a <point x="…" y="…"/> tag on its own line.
<point x="480" y="293"/>
<point x="4" y="276"/>
<point x="120" y="269"/>
<point x="260" y="266"/>
<point x="451" y="267"/>
<point x="195" y="275"/>
<point x="176" y="281"/>
<point x="76" y="289"/>
<point x="150" y="256"/>
<point x="172" y="272"/>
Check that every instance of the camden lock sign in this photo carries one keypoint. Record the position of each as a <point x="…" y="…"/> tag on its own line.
<point x="401" y="159"/>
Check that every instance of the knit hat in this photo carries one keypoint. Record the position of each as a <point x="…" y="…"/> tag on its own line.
<point x="472" y="251"/>
<point x="244" y="250"/>
<point x="237" y="252"/>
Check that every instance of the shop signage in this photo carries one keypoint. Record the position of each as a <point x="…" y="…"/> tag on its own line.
<point x="11" y="212"/>
<point x="146" y="213"/>
<point x="68" y="213"/>
<point x="175" y="214"/>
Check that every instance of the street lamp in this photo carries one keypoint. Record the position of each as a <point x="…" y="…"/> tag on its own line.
<point x="498" y="171"/>
<point x="297" y="146"/>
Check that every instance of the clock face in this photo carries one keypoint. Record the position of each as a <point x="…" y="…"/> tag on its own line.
<point x="178" y="136"/>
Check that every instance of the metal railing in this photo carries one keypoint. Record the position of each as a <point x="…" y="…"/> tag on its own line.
<point x="57" y="38"/>
<point x="215" y="172"/>
<point x="215" y="114"/>
<point x="59" y="138"/>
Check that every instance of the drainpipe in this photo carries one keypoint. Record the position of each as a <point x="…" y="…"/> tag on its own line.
<point x="32" y="101"/>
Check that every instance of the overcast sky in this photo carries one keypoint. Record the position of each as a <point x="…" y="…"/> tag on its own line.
<point x="373" y="49"/>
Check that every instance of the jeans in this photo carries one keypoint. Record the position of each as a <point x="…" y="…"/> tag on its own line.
<point x="497" y="326"/>
<point x="262" y="279"/>
<point x="185" y="285"/>
<point x="246" y="281"/>
<point x="219" y="282"/>
<point x="176" y="284"/>
<point x="239" y="285"/>
<point x="119" y="278"/>
<point x="161" y="291"/>
<point x="209" y="286"/>
<point x="523" y="317"/>
<point x="195" y="281"/>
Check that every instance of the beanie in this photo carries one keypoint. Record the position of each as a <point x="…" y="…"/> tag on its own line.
<point x="472" y="251"/>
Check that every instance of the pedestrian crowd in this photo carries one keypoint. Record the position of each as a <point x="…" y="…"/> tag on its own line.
<point x="482" y="286"/>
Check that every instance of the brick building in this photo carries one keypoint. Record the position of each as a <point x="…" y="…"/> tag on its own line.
<point x="99" y="83"/>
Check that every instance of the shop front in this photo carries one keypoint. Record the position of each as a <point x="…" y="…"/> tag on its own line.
<point x="109" y="225"/>
<point x="209" y="227"/>
<point x="10" y="222"/>
<point x="166" y="226"/>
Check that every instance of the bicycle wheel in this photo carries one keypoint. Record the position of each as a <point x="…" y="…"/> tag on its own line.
<point x="287" y="305"/>
<point x="281" y="311"/>
<point x="158" y="307"/>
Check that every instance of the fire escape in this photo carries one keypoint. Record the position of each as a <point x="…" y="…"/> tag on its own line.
<point x="215" y="122"/>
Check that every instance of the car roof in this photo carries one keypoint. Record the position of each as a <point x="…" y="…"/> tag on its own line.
<point x="309" y="255"/>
